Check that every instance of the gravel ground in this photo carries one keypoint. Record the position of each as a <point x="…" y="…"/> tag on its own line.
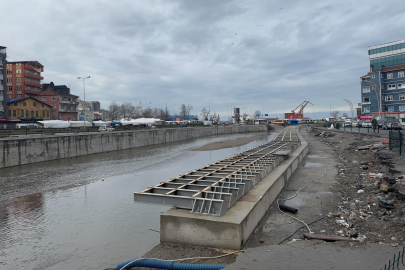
<point x="371" y="209"/>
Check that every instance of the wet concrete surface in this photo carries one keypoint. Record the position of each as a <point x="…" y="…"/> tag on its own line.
<point x="61" y="214"/>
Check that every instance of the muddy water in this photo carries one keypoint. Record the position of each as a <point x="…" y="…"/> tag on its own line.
<point x="62" y="215"/>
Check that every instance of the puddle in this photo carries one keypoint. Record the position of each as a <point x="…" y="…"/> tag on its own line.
<point x="311" y="164"/>
<point x="314" y="156"/>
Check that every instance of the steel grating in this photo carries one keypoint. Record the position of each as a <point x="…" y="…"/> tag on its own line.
<point x="213" y="189"/>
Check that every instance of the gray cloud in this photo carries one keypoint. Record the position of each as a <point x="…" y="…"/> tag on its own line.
<point x="249" y="53"/>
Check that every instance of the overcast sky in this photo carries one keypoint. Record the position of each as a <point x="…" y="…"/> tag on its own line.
<point x="256" y="55"/>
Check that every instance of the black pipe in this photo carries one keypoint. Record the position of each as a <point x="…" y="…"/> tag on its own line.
<point x="288" y="209"/>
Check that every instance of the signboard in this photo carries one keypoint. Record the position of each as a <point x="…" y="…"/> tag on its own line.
<point x="177" y="119"/>
<point x="366" y="117"/>
<point x="266" y="114"/>
<point x="257" y="114"/>
<point x="3" y="119"/>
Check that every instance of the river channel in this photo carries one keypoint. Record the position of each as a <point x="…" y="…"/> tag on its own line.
<point x="61" y="214"/>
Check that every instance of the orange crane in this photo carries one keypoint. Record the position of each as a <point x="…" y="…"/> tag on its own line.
<point x="300" y="113"/>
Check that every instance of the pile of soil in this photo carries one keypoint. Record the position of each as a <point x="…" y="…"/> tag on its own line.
<point x="371" y="187"/>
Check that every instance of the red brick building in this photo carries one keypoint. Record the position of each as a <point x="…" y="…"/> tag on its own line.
<point x="64" y="104"/>
<point x="23" y="79"/>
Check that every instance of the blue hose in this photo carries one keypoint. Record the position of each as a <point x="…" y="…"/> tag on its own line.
<point x="159" y="264"/>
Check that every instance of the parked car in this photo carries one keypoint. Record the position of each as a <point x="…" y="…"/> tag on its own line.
<point x="366" y="124"/>
<point x="391" y="123"/>
<point x="348" y="124"/>
<point x="380" y="123"/>
<point x="105" y="128"/>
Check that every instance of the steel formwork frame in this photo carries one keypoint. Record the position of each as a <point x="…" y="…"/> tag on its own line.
<point x="213" y="189"/>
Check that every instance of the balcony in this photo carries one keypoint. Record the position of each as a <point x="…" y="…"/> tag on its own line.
<point x="37" y="69"/>
<point x="32" y="92"/>
<point x="68" y="102"/>
<point x="34" y="84"/>
<point x="33" y="76"/>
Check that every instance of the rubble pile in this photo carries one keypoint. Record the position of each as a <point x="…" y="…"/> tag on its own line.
<point x="371" y="187"/>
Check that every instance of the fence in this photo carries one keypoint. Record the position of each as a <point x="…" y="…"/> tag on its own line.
<point x="396" y="141"/>
<point x="395" y="264"/>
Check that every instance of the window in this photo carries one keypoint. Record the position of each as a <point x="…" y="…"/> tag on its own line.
<point x="392" y="86"/>
<point x="47" y="114"/>
<point x="402" y="97"/>
<point x="34" y="104"/>
<point x="53" y="106"/>
<point x="43" y="98"/>
<point x="9" y="96"/>
<point x="66" y="98"/>
<point x="373" y="76"/>
<point x="388" y="98"/>
<point x="366" y="99"/>
<point x="401" y="85"/>
<point x="390" y="108"/>
<point x="53" y="98"/>
<point x="18" y="79"/>
<point x="389" y="76"/>
<point x="19" y="96"/>
<point x="19" y="88"/>
<point x="25" y="104"/>
<point x="32" y="114"/>
<point x="1" y="93"/>
<point x="9" y="88"/>
<point x="36" y="114"/>
<point x="14" y="113"/>
<point x="42" y="105"/>
<point x="28" y="88"/>
<point x="9" y="71"/>
<point x="18" y="71"/>
<point x="9" y="80"/>
<point x="26" y="114"/>
<point x="366" y="110"/>
<point x="402" y="108"/>
<point x="43" y="113"/>
<point x="374" y="87"/>
<point x="366" y="89"/>
<point x="9" y="113"/>
<point x="22" y="113"/>
<point x="400" y="74"/>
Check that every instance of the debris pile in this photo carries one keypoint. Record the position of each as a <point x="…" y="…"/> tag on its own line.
<point x="371" y="187"/>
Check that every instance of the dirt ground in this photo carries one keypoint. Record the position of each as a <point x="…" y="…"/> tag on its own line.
<point x="371" y="209"/>
<point x="229" y="143"/>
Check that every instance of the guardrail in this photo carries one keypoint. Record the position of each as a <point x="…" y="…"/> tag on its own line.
<point x="395" y="264"/>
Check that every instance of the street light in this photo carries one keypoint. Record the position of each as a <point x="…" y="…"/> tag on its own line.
<point x="84" y="100"/>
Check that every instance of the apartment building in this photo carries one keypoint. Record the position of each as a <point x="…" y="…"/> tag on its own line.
<point x="3" y="63"/>
<point x="64" y="104"/>
<point x="23" y="79"/>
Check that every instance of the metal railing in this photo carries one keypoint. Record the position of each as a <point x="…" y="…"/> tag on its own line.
<point x="396" y="139"/>
<point x="397" y="262"/>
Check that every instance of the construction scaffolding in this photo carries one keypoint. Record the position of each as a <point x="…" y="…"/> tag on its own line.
<point x="213" y="189"/>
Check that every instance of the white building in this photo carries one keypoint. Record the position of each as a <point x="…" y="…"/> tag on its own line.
<point x="85" y="111"/>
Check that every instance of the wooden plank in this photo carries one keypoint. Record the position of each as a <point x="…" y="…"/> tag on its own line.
<point x="328" y="237"/>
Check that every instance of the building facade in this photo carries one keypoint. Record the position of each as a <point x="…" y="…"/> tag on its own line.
<point x="95" y="105"/>
<point x="28" y="109"/>
<point x="383" y="88"/>
<point x="3" y="86"/>
<point x="24" y="79"/>
<point x="85" y="111"/>
<point x="64" y="104"/>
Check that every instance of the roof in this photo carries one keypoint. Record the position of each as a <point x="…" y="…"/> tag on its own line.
<point x="2" y="47"/>
<point x="22" y="99"/>
<point x="384" y="69"/>
<point x="33" y="61"/>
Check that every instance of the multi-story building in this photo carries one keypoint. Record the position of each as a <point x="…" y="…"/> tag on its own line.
<point x="3" y="63"/>
<point x="383" y="88"/>
<point x="85" y="111"/>
<point x="24" y="79"/>
<point x="95" y="105"/>
<point x="64" y="104"/>
<point x="28" y="109"/>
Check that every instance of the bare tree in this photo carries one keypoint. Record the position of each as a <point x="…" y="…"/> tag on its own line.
<point x="335" y="114"/>
<point x="113" y="110"/>
<point x="183" y="111"/>
<point x="257" y="113"/>
<point x="345" y="115"/>
<point x="188" y="109"/>
<point x="147" y="113"/>
<point x="204" y="114"/>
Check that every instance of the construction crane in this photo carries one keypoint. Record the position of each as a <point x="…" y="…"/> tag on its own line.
<point x="300" y="113"/>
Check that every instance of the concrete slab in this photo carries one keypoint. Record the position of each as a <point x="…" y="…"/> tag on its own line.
<point x="233" y="229"/>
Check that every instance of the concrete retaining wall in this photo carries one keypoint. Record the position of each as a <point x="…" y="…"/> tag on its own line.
<point x="20" y="151"/>
<point x="232" y="230"/>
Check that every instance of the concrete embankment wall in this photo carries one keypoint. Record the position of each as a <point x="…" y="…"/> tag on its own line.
<point x="21" y="151"/>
